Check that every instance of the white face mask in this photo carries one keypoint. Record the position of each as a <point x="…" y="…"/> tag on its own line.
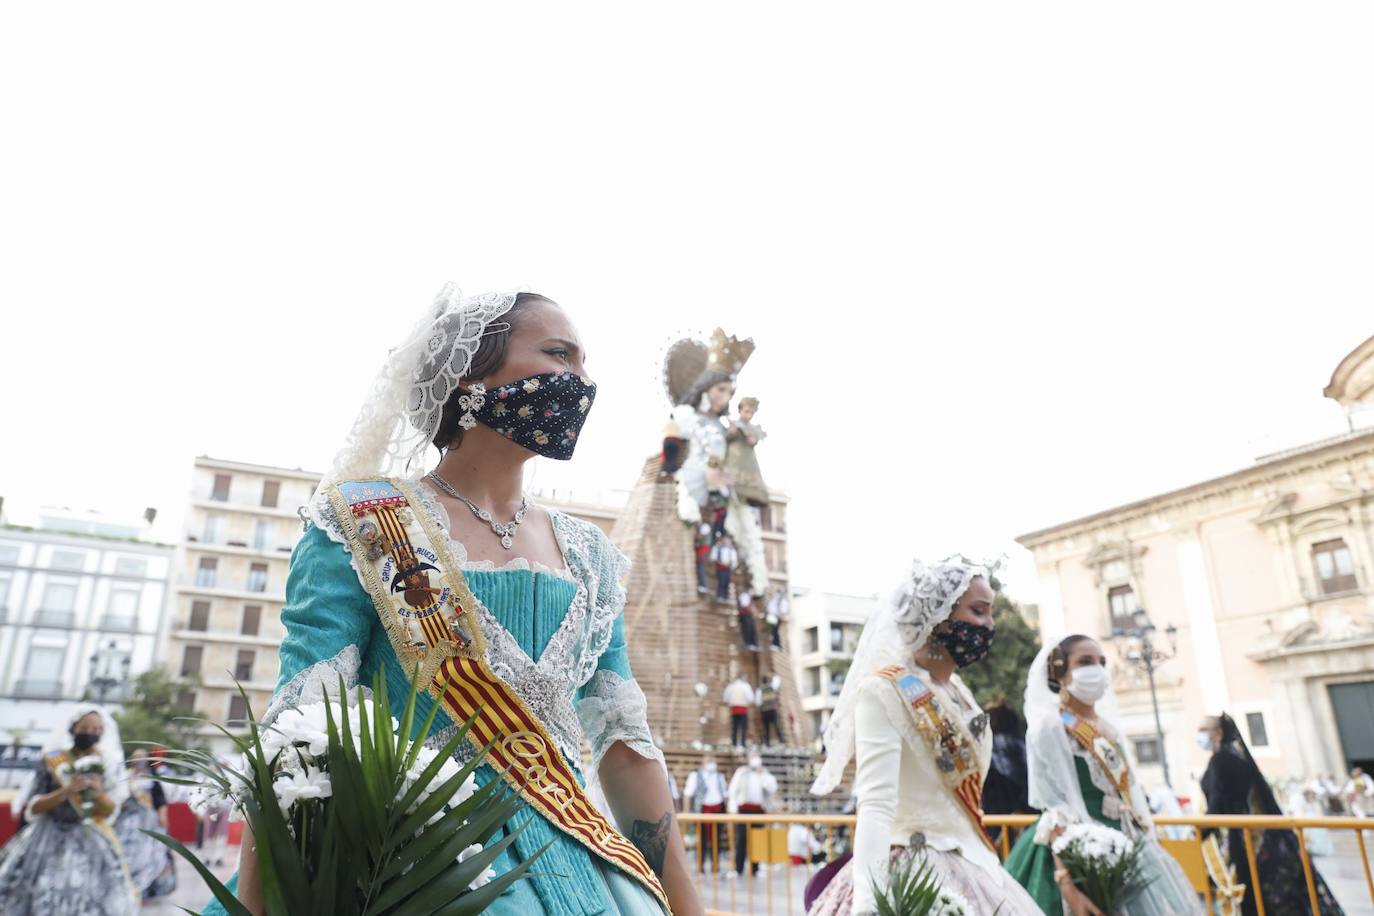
<point x="1089" y="683"/>
<point x="711" y="767"/>
<point x="1204" y="741"/>
<point x="756" y="763"/>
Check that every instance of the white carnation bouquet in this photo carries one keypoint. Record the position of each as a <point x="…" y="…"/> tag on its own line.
<point x="352" y="815"/>
<point x="1103" y="863"/>
<point x="90" y="765"/>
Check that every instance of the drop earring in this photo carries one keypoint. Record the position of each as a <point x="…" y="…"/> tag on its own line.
<point x="470" y="402"/>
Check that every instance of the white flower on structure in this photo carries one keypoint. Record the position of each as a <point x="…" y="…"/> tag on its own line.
<point x="298" y="785"/>
<point x="485" y="876"/>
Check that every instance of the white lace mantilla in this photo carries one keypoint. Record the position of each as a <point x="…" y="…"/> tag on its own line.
<point x="549" y="683"/>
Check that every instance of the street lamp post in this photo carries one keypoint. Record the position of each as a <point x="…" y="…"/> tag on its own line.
<point x="109" y="669"/>
<point x="1147" y="657"/>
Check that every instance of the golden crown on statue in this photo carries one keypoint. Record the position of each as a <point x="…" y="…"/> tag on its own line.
<point x="729" y="353"/>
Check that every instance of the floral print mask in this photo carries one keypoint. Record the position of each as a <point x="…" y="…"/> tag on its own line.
<point x="967" y="643"/>
<point x="543" y="413"/>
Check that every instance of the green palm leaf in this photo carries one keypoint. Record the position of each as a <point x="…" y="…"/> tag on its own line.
<point x="361" y="852"/>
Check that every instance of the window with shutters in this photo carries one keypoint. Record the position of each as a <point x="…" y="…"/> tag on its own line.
<point x="220" y="492"/>
<point x="243" y="664"/>
<point x="215" y="526"/>
<point x="200" y="616"/>
<point x="257" y="577"/>
<point x="129" y="566"/>
<point x="271" y="490"/>
<point x="59" y="595"/>
<point x="252" y="618"/>
<point x="68" y="559"/>
<point x="1334" y="566"/>
<point x="1147" y="749"/>
<point x="262" y="535"/>
<point x="1121" y="602"/>
<point x="191" y="660"/>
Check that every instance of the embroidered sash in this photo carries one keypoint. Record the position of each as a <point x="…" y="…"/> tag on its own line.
<point x="956" y="753"/>
<point x="1108" y="756"/>
<point x="428" y="611"/>
<point x="1230" y="894"/>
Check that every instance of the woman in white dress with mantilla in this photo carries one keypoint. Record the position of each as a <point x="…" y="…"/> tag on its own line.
<point x="922" y="746"/>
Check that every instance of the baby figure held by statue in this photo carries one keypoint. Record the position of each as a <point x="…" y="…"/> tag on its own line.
<point x="741" y="464"/>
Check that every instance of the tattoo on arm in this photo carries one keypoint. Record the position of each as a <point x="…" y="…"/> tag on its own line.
<point x="652" y="840"/>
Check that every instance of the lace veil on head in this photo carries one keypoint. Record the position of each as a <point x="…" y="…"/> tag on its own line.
<point x="1043" y="703"/>
<point x="399" y="418"/>
<point x="896" y="629"/>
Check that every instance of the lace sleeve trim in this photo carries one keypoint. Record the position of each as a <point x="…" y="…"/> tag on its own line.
<point x="600" y="568"/>
<point x="1053" y="820"/>
<point x="614" y="709"/>
<point x="312" y="684"/>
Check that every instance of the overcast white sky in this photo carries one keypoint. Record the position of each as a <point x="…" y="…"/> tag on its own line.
<point x="1005" y="264"/>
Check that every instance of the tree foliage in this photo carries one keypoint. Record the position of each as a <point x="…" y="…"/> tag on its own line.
<point x="152" y="712"/>
<point x="1001" y="677"/>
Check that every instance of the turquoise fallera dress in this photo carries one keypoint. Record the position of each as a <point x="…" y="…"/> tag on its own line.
<point x="332" y="628"/>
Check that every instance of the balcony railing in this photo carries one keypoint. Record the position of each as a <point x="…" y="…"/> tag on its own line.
<point x="779" y="888"/>
<point x="119" y="623"/>
<point x="37" y="688"/>
<point x="54" y="618"/>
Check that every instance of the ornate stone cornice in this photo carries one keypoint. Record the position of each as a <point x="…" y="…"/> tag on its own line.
<point x="1267" y="481"/>
<point x="1353" y="381"/>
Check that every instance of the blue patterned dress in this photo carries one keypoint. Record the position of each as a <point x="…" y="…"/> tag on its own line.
<point x="557" y="638"/>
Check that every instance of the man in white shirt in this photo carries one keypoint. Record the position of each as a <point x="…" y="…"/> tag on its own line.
<point x="778" y="607"/>
<point x="706" y="792"/>
<point x="739" y="696"/>
<point x="752" y="790"/>
<point x="724" y="557"/>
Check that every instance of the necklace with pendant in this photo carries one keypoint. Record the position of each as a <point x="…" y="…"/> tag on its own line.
<point x="504" y="530"/>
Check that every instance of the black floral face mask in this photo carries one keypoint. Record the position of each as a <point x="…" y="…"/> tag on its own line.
<point x="543" y="413"/>
<point x="967" y="643"/>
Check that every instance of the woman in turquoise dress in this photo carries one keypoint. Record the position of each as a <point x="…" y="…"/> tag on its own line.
<point x="1079" y="772"/>
<point x="491" y="381"/>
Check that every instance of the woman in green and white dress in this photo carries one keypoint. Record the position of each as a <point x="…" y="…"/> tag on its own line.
<point x="1079" y="772"/>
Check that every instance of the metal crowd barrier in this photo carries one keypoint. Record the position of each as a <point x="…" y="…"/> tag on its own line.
<point x="712" y="838"/>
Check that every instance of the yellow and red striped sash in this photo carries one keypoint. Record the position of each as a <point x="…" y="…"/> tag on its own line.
<point x="956" y="753"/>
<point x="400" y="556"/>
<point x="1103" y="749"/>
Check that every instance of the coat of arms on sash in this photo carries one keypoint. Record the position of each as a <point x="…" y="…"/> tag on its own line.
<point x="955" y="750"/>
